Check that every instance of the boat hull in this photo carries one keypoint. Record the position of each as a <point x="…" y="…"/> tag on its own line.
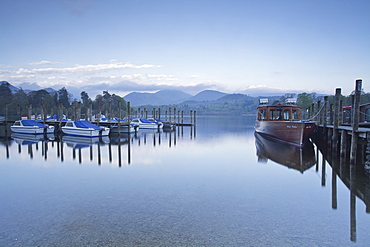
<point x="123" y="129"/>
<point x="84" y="132"/>
<point x="292" y="132"/>
<point x="34" y="130"/>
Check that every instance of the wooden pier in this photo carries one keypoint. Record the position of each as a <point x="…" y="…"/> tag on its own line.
<point x="347" y="141"/>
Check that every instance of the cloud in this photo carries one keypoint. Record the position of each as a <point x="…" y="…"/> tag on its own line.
<point x="193" y="76"/>
<point x="43" y="63"/>
<point x="115" y="77"/>
<point x="86" y="68"/>
<point x="263" y="90"/>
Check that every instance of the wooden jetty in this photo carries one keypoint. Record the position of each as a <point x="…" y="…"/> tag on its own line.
<point x="174" y="117"/>
<point x="351" y="141"/>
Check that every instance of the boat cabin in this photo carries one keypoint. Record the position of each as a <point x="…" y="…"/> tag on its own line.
<point x="364" y="115"/>
<point x="278" y="112"/>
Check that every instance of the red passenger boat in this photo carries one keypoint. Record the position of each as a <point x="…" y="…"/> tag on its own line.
<point x="283" y="123"/>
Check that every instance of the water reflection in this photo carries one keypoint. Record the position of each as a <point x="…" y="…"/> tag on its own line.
<point x="179" y="188"/>
<point x="290" y="156"/>
<point x="354" y="177"/>
<point x="27" y="139"/>
<point x="95" y="147"/>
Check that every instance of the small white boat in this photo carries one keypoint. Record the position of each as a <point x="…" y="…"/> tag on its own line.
<point x="31" y="127"/>
<point x="84" y="128"/>
<point x="156" y="120"/>
<point x="145" y="123"/>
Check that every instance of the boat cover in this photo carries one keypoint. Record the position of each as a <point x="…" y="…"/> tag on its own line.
<point x="32" y="123"/>
<point x="86" y="124"/>
<point x="162" y="121"/>
<point x="144" y="120"/>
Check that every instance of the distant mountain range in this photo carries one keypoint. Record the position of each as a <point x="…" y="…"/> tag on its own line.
<point x="167" y="97"/>
<point x="16" y="89"/>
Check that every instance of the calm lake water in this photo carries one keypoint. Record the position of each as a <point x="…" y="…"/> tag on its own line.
<point x="193" y="187"/>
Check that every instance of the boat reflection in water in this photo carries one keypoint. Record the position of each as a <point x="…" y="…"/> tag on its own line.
<point x="77" y="142"/>
<point x="290" y="156"/>
<point x="27" y="139"/>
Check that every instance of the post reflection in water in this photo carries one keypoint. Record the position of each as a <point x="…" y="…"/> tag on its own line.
<point x="95" y="145"/>
<point x="30" y="141"/>
<point x="303" y="159"/>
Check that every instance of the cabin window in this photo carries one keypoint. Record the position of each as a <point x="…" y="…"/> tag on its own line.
<point x="286" y="114"/>
<point x="367" y="114"/>
<point x="262" y="115"/>
<point x="17" y="123"/>
<point x="275" y="114"/>
<point x="69" y="124"/>
<point x="347" y="116"/>
<point x="295" y="114"/>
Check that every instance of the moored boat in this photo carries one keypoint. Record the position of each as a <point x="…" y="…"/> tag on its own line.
<point x="31" y="127"/>
<point x="283" y="123"/>
<point x="84" y="128"/>
<point x="145" y="123"/>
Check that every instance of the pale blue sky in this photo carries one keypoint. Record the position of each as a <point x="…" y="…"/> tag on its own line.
<point x="191" y="45"/>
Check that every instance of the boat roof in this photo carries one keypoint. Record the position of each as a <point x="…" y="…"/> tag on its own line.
<point x="32" y="123"/>
<point x="144" y="120"/>
<point x="86" y="124"/>
<point x="279" y="106"/>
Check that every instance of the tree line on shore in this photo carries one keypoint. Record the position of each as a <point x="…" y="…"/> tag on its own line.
<point x="19" y="103"/>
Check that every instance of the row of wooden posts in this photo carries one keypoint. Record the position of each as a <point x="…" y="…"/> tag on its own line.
<point x="329" y="119"/>
<point x="156" y="113"/>
<point x="170" y="114"/>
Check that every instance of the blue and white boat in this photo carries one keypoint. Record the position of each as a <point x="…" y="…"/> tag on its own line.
<point x="145" y="123"/>
<point x="31" y="127"/>
<point x="84" y="128"/>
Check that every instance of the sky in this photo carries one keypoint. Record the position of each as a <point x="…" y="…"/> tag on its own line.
<point x="233" y="46"/>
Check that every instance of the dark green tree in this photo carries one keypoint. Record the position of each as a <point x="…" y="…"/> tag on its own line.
<point x="18" y="107"/>
<point x="6" y="96"/>
<point x="64" y="97"/>
<point x="85" y="99"/>
<point x="304" y="100"/>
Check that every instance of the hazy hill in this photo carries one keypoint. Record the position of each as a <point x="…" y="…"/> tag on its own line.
<point x="173" y="96"/>
<point x="163" y="97"/>
<point x="137" y="99"/>
<point x="207" y="95"/>
<point x="237" y="97"/>
<point x="167" y="97"/>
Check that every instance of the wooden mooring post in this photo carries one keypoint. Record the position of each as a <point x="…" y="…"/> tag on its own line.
<point x="338" y="93"/>
<point x="355" y="120"/>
